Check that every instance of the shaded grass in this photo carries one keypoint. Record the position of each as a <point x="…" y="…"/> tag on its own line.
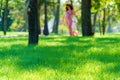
<point x="60" y="58"/>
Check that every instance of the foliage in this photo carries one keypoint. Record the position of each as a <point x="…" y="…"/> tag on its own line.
<point x="63" y="29"/>
<point x="61" y="58"/>
<point x="112" y="5"/>
<point x="17" y="10"/>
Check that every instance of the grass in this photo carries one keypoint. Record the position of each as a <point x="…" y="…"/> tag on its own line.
<point x="61" y="58"/>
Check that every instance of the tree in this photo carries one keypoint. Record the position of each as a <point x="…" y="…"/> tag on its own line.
<point x="57" y="16"/>
<point x="45" y="31"/>
<point x="5" y="17"/>
<point x="33" y="21"/>
<point x="106" y="10"/>
<point x="86" y="18"/>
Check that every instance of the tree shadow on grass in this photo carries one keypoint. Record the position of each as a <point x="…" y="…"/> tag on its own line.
<point x="63" y="57"/>
<point x="33" y="57"/>
<point x="107" y="59"/>
<point x="108" y="40"/>
<point x="109" y="54"/>
<point x="114" y="69"/>
<point x="13" y="39"/>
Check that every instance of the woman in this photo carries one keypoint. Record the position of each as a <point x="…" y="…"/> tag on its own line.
<point x="68" y="18"/>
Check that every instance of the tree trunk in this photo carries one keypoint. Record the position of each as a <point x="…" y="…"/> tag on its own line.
<point x="56" y="20"/>
<point x="5" y="17"/>
<point x="103" y="22"/>
<point x="38" y="19"/>
<point x="94" y="21"/>
<point x="86" y="18"/>
<point x="99" y="21"/>
<point x="45" y="31"/>
<point x="33" y="20"/>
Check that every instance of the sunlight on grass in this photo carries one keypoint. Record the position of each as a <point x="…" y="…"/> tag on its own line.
<point x="60" y="58"/>
<point x="14" y="33"/>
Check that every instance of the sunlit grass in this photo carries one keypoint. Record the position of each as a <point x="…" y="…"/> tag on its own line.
<point x="60" y="58"/>
<point x="13" y="34"/>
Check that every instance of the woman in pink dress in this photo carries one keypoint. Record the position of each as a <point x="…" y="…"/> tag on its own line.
<point x="68" y="18"/>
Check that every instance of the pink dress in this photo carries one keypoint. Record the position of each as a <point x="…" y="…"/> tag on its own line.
<point x="69" y="21"/>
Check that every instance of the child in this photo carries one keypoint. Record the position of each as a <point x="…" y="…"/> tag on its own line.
<point x="74" y="26"/>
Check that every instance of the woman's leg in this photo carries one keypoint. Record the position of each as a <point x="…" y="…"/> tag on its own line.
<point x="70" y="30"/>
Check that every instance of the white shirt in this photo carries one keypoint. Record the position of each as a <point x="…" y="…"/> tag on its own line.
<point x="74" y="22"/>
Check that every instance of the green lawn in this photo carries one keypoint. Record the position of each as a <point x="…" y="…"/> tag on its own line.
<point x="61" y="58"/>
